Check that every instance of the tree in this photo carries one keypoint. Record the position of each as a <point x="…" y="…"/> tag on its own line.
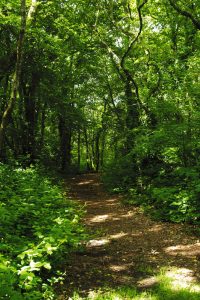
<point x="193" y="16"/>
<point x="18" y="67"/>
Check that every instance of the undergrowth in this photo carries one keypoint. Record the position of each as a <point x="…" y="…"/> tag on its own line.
<point x="39" y="228"/>
<point x="167" y="194"/>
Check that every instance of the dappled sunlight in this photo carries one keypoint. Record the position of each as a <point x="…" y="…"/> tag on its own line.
<point x="156" y="228"/>
<point x="106" y="203"/>
<point x="176" y="283"/>
<point x="111" y="205"/>
<point x="111" y="200"/>
<point x="110" y="217"/>
<point x="148" y="282"/>
<point x="131" y="249"/>
<point x="175" y="278"/>
<point x="184" y="250"/>
<point x="100" y="218"/>
<point x="97" y="243"/>
<point x="128" y="215"/>
<point x="182" y="278"/>
<point x="137" y="234"/>
<point x="93" y="204"/>
<point x="154" y="252"/>
<point x="85" y="182"/>
<point x="118" y="235"/>
<point x="119" y="268"/>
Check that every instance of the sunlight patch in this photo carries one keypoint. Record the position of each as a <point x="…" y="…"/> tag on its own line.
<point x="100" y="218"/>
<point x="118" y="235"/>
<point x="118" y="268"/>
<point x="111" y="200"/>
<point x="97" y="243"/>
<point x="130" y="214"/>
<point x="85" y="182"/>
<point x="185" y="250"/>
<point x="156" y="228"/>
<point x="181" y="278"/>
<point x="148" y="282"/>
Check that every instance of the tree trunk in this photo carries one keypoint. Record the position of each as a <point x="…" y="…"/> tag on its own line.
<point x="16" y="77"/>
<point x="65" y="143"/>
<point x="43" y="117"/>
<point x="79" y="149"/>
<point x="88" y="162"/>
<point x="30" y="116"/>
<point x="97" y="150"/>
<point x="18" y="67"/>
<point x="132" y="116"/>
<point x="102" y="149"/>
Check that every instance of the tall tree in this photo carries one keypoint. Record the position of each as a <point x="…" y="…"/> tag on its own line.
<point x="18" y="68"/>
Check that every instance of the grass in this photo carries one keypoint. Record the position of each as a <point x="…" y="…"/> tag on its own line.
<point x="173" y="284"/>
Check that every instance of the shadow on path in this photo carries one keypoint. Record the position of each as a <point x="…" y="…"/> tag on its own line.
<point x="130" y="248"/>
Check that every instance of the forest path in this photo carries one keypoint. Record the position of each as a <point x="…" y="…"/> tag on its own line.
<point x="128" y="248"/>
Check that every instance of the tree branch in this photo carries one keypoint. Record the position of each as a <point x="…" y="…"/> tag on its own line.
<point x="137" y="36"/>
<point x="186" y="14"/>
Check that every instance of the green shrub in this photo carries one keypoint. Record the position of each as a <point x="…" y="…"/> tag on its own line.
<point x="172" y="198"/>
<point x="38" y="224"/>
<point x="119" y="175"/>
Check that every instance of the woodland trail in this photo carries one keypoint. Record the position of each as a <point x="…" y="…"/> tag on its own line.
<point x="128" y="248"/>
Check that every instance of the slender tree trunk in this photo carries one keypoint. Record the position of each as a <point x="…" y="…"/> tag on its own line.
<point x="16" y="77"/>
<point x="132" y="117"/>
<point x="87" y="150"/>
<point x="79" y="149"/>
<point x="43" y="117"/>
<point x="18" y="67"/>
<point x="30" y="116"/>
<point x="97" y="151"/>
<point x="102" y="149"/>
<point x="65" y="143"/>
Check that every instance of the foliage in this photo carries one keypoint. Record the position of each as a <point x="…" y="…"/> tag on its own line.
<point x="110" y="86"/>
<point x="120" y="175"/>
<point x="153" y="176"/>
<point x="39" y="228"/>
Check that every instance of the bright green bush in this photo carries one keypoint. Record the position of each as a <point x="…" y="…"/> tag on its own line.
<point x="171" y="197"/>
<point x="159" y="174"/>
<point x="39" y="226"/>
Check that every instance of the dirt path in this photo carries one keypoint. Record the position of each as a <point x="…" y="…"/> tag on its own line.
<point x="129" y="248"/>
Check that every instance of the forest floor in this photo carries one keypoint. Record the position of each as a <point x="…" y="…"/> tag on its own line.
<point x="127" y="247"/>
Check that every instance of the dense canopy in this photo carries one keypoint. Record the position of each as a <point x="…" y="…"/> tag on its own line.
<point x="109" y="86"/>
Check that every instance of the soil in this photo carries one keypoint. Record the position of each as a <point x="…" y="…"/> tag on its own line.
<point x="127" y="247"/>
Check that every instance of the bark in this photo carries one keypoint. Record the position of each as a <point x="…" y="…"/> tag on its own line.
<point x="126" y="53"/>
<point x="7" y="113"/>
<point x="97" y="150"/>
<point x="79" y="149"/>
<point x="103" y="134"/>
<point x="65" y="143"/>
<point x="185" y="13"/>
<point x="43" y="118"/>
<point x="131" y="88"/>
<point x="30" y="115"/>
<point x="88" y="159"/>
<point x="103" y="142"/>
<point x="115" y="109"/>
<point x="18" y="67"/>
